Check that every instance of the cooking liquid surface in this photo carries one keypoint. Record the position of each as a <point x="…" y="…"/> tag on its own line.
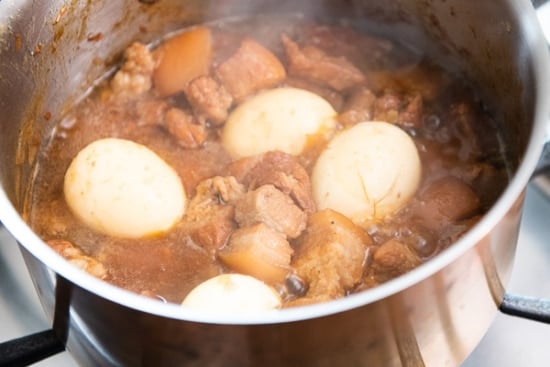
<point x="447" y="136"/>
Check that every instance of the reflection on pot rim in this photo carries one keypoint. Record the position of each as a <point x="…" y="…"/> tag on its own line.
<point x="449" y="311"/>
<point x="20" y="230"/>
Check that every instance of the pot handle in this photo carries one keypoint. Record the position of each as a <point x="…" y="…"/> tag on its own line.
<point x="531" y="308"/>
<point x="30" y="349"/>
<point x="543" y="166"/>
<point x="538" y="3"/>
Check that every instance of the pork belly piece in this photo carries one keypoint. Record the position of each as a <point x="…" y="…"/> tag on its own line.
<point x="445" y="201"/>
<point x="210" y="226"/>
<point x="392" y="259"/>
<point x="209" y="99"/>
<point x="279" y="169"/>
<point x="182" y="126"/>
<point x="330" y="255"/>
<point x="402" y="109"/>
<point x="227" y="189"/>
<point x="78" y="258"/>
<point x="150" y="112"/>
<point x="251" y="68"/>
<point x="269" y="205"/>
<point x="259" y="251"/>
<point x="361" y="49"/>
<point x="135" y="75"/>
<point x="313" y="64"/>
<point x="209" y="219"/>
<point x="358" y="107"/>
<point x="423" y="78"/>
<point x="333" y="97"/>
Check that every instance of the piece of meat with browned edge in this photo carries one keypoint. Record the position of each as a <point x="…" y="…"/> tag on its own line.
<point x="332" y="96"/>
<point x="182" y="126"/>
<point x="259" y="251"/>
<point x="358" y="107"/>
<point x="402" y="109"/>
<point x="423" y="78"/>
<point x="330" y="256"/>
<point x="150" y="112"/>
<point x="271" y="206"/>
<point x="135" y="75"/>
<point x="251" y="68"/>
<point x="78" y="258"/>
<point x="209" y="220"/>
<point x="363" y="50"/>
<point x="311" y="63"/>
<point x="445" y="201"/>
<point x="209" y="99"/>
<point x="392" y="259"/>
<point x="279" y="169"/>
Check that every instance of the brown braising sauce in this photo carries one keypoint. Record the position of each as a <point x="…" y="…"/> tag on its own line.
<point x="238" y="205"/>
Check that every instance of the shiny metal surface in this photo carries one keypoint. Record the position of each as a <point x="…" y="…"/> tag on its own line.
<point x="543" y="184"/>
<point x="509" y="342"/>
<point x="543" y="181"/>
<point x="434" y="315"/>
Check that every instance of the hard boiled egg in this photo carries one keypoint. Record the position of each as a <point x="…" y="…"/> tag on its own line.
<point x="233" y="294"/>
<point x="123" y="189"/>
<point x="367" y="172"/>
<point x="277" y="119"/>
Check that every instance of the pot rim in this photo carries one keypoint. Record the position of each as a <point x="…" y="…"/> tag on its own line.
<point x="540" y="64"/>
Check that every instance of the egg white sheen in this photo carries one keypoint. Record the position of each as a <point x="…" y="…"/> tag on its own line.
<point x="235" y="294"/>
<point x="277" y="119"/>
<point x="367" y="172"/>
<point x="123" y="189"/>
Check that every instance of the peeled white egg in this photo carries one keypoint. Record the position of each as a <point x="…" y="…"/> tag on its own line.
<point x="277" y="119"/>
<point x="367" y="172"/>
<point x="233" y="294"/>
<point x="124" y="189"/>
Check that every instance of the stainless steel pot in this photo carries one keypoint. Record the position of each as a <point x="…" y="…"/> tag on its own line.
<point x="52" y="51"/>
